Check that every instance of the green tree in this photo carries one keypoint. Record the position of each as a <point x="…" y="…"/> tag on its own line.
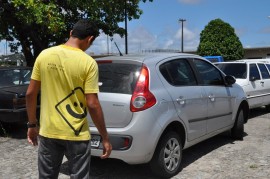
<point x="37" y="24"/>
<point x="219" y="38"/>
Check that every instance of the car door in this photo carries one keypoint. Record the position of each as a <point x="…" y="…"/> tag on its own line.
<point x="265" y="83"/>
<point x="179" y="80"/>
<point x="253" y="90"/>
<point x="218" y="96"/>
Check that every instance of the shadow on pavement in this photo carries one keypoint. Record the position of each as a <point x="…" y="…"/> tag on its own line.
<point x="258" y="112"/>
<point x="113" y="168"/>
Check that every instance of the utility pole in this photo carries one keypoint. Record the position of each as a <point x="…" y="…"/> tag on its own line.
<point x="126" y="40"/>
<point x="182" y="40"/>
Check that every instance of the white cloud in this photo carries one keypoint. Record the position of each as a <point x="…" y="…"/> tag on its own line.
<point x="140" y="39"/>
<point x="191" y="39"/>
<point x="188" y="35"/>
<point x="99" y="46"/>
<point x="168" y="44"/>
<point x="4" y="48"/>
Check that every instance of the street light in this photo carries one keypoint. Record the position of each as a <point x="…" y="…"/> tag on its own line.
<point x="182" y="40"/>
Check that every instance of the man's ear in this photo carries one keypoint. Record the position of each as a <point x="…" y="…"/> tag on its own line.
<point x="70" y="33"/>
<point x="91" y="39"/>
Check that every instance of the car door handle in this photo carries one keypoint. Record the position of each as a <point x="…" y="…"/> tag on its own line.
<point x="211" y="97"/>
<point x="181" y="100"/>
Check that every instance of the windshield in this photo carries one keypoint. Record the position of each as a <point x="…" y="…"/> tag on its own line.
<point x="238" y="70"/>
<point x="118" y="77"/>
<point x="12" y="77"/>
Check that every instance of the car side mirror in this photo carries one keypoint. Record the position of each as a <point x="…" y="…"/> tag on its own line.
<point x="229" y="80"/>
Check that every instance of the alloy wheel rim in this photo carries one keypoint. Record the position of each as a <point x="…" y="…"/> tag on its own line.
<point x="172" y="154"/>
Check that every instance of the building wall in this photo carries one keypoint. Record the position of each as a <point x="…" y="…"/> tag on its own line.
<point x="251" y="53"/>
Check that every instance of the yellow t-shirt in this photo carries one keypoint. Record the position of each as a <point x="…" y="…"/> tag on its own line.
<point x="66" y="75"/>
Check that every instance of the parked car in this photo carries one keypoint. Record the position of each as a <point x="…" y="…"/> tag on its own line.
<point x="13" y="85"/>
<point x="253" y="76"/>
<point x="156" y="105"/>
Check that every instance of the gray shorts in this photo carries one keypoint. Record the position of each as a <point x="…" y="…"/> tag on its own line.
<point x="52" y="151"/>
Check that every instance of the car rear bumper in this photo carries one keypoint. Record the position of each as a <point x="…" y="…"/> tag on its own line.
<point x="134" y="144"/>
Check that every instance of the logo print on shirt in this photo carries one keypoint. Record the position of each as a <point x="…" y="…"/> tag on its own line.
<point x="76" y="110"/>
<point x="74" y="114"/>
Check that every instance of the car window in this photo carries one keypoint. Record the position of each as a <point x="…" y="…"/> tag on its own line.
<point x="178" y="73"/>
<point x="238" y="70"/>
<point x="12" y="77"/>
<point x="254" y="72"/>
<point x="264" y="71"/>
<point x="118" y="77"/>
<point x="208" y="73"/>
<point x="268" y="66"/>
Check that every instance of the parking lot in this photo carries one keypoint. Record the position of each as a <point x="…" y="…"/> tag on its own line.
<point x="219" y="157"/>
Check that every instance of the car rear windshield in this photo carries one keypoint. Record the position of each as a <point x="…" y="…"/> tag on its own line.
<point x="118" y="77"/>
<point x="12" y="77"/>
<point x="238" y="70"/>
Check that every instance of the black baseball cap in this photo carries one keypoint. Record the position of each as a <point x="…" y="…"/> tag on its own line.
<point x="84" y="28"/>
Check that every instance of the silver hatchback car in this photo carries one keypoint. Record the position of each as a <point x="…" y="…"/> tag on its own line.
<point x="156" y="105"/>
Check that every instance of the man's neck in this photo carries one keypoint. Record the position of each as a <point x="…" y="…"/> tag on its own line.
<point x="73" y="42"/>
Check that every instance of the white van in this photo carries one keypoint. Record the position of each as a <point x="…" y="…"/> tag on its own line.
<point x="253" y="76"/>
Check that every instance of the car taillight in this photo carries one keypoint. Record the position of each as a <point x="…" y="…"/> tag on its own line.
<point x="142" y="98"/>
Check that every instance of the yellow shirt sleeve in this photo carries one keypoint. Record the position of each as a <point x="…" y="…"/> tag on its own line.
<point x="36" y="70"/>
<point x="91" y="83"/>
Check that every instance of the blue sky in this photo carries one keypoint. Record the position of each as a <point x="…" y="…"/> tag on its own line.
<point x="158" y="26"/>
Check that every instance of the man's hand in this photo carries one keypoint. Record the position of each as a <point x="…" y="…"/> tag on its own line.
<point x="96" y="113"/>
<point x="31" y="105"/>
<point x="107" y="149"/>
<point x="32" y="136"/>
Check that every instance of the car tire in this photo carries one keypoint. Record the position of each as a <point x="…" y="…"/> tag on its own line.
<point x="167" y="158"/>
<point x="237" y="132"/>
<point x="267" y="107"/>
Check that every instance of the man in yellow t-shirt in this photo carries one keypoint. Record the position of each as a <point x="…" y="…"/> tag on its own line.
<point x="68" y="80"/>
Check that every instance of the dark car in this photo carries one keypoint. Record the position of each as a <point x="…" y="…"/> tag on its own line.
<point x="14" y="82"/>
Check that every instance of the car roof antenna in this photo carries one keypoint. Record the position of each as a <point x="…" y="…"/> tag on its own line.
<point x="116" y="47"/>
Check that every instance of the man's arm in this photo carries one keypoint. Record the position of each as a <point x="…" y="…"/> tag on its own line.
<point x="96" y="113"/>
<point x="31" y="105"/>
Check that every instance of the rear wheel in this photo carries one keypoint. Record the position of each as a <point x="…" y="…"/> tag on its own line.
<point x="237" y="131"/>
<point x="168" y="155"/>
<point x="267" y="107"/>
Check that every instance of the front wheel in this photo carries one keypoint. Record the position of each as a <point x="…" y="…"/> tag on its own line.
<point x="168" y="155"/>
<point x="237" y="131"/>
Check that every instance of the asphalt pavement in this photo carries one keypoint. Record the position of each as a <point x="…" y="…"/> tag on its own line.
<point x="217" y="158"/>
